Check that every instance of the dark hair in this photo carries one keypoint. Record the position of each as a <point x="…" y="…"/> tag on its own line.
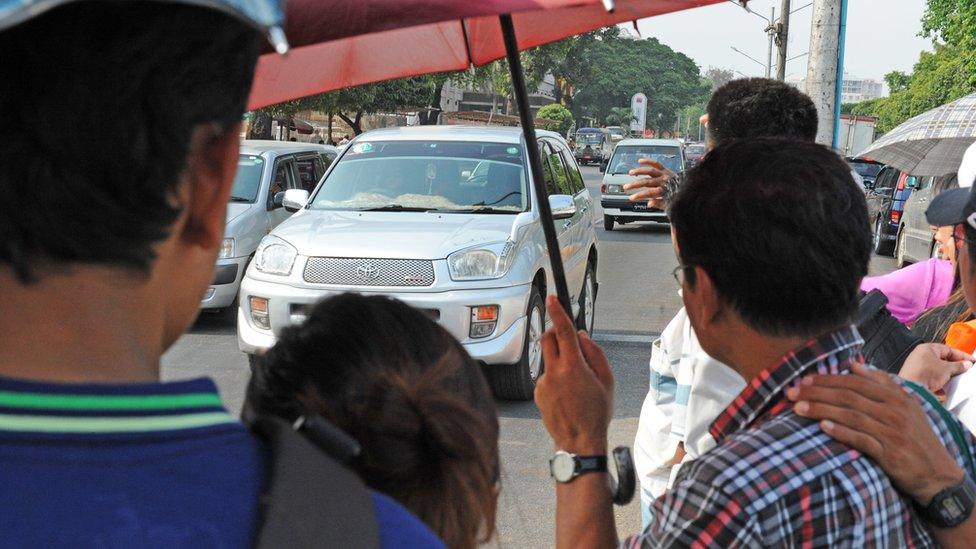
<point x="781" y="229"/>
<point x="98" y="102"/>
<point x="760" y="107"/>
<point x="411" y="395"/>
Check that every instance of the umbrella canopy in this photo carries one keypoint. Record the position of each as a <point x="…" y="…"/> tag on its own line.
<point x="932" y="143"/>
<point x="339" y="44"/>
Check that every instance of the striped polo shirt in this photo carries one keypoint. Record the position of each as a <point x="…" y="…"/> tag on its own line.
<point x="136" y="465"/>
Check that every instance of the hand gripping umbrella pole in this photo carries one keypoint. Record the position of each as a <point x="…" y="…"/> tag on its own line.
<point x="535" y="162"/>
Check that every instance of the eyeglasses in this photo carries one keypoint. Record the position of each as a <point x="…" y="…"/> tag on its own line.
<point x="679" y="273"/>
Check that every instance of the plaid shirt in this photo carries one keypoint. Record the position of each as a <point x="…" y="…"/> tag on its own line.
<point x="776" y="479"/>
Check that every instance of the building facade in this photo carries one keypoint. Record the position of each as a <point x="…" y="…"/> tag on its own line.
<point x="853" y="89"/>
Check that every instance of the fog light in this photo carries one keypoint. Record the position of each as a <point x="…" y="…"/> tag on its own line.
<point x="208" y="295"/>
<point x="484" y="319"/>
<point x="259" y="312"/>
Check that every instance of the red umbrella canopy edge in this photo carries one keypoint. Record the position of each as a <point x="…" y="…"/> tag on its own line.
<point x="338" y="44"/>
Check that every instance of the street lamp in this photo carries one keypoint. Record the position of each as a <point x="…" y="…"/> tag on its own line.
<point x="761" y="64"/>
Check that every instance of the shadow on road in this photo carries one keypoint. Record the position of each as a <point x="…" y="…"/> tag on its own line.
<point x="213" y="323"/>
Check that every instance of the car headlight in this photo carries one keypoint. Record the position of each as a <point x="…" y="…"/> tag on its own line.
<point x="275" y="256"/>
<point x="615" y="189"/>
<point x="226" y="249"/>
<point x="482" y="262"/>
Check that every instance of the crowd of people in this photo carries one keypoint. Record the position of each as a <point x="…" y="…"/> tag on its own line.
<point x="764" y="425"/>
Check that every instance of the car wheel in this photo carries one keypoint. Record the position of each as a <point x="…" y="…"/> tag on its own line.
<point x="587" y="301"/>
<point x="608" y="222"/>
<point x="517" y="381"/>
<point x="882" y="245"/>
<point x="900" y="249"/>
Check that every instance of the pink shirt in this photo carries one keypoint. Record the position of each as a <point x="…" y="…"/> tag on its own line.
<point x="915" y="288"/>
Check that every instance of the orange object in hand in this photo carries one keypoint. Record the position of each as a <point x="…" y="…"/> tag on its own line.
<point x="962" y="336"/>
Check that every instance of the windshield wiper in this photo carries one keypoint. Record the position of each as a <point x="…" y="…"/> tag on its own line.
<point x="239" y="199"/>
<point x="397" y="208"/>
<point x="482" y="209"/>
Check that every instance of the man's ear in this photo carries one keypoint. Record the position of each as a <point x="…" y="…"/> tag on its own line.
<point x="211" y="166"/>
<point x="710" y="305"/>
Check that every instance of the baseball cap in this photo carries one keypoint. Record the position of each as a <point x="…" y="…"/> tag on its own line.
<point x="267" y="16"/>
<point x="957" y="205"/>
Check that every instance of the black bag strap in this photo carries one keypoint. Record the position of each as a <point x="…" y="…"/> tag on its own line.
<point x="310" y="499"/>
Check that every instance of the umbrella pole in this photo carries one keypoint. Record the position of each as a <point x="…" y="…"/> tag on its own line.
<point x="535" y="162"/>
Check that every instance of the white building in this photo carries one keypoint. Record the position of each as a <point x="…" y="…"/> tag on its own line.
<point x="853" y="90"/>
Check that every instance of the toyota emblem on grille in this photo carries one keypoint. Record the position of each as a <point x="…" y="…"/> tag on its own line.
<point x="367" y="271"/>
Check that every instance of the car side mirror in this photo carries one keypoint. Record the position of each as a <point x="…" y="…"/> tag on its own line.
<point x="562" y="205"/>
<point x="294" y="199"/>
<point x="466" y="174"/>
<point x="911" y="182"/>
<point x="278" y="200"/>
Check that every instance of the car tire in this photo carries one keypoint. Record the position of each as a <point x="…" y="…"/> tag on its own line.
<point x="882" y="246"/>
<point x="587" y="301"/>
<point x="517" y="381"/>
<point x="900" y="261"/>
<point x="608" y="222"/>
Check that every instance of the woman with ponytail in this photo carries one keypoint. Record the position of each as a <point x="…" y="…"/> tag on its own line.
<point x="410" y="395"/>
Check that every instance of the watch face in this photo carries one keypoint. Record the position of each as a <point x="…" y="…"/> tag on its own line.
<point x="950" y="509"/>
<point x="563" y="466"/>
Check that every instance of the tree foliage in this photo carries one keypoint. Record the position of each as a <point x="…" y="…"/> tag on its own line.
<point x="560" y="115"/>
<point x="620" y="116"/>
<point x="717" y="77"/>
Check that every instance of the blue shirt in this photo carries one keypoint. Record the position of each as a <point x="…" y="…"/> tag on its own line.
<point x="151" y="465"/>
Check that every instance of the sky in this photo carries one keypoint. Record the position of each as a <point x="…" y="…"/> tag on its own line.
<point x="882" y="36"/>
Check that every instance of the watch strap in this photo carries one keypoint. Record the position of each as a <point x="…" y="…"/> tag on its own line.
<point x="591" y="464"/>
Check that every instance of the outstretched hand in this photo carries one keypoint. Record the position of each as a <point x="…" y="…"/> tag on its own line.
<point x="868" y="411"/>
<point x="575" y="394"/>
<point x="654" y="178"/>
<point x="932" y="365"/>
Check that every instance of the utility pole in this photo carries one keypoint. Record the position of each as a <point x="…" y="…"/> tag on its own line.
<point x="771" y="31"/>
<point x="782" y="35"/>
<point x="822" y="69"/>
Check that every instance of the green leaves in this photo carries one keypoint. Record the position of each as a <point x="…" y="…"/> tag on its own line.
<point x="560" y="115"/>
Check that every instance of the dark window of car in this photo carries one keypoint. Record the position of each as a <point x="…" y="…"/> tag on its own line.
<point x="305" y="168"/>
<point x="575" y="177"/>
<point x="319" y="167"/>
<point x="625" y="157"/>
<point x="282" y="180"/>
<point x="866" y="169"/>
<point x="563" y="184"/>
<point x="545" y="153"/>
<point x="328" y="158"/>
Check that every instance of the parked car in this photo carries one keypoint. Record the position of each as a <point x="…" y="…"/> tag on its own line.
<point x="443" y="218"/>
<point x="265" y="170"/>
<point x="616" y="132"/>
<point x="886" y="202"/>
<point x="617" y="207"/>
<point x="593" y="146"/>
<point x="916" y="241"/>
<point x="694" y="152"/>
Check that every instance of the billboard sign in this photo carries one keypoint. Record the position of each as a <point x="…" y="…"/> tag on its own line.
<point x="638" y="106"/>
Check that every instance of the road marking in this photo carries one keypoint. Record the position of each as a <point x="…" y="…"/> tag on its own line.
<point x="625" y="337"/>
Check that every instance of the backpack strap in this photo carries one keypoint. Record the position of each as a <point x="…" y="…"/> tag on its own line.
<point x="310" y="499"/>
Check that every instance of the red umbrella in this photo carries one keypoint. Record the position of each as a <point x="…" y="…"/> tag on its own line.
<point x="338" y="44"/>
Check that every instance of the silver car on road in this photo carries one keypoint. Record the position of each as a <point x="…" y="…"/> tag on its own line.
<point x="443" y="218"/>
<point x="265" y="170"/>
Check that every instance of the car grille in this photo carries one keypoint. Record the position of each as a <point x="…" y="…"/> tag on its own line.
<point x="345" y="271"/>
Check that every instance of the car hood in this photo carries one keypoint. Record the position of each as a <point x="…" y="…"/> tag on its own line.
<point x="397" y="235"/>
<point x="235" y="209"/>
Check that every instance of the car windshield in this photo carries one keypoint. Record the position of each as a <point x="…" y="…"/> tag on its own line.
<point x="625" y="158"/>
<point x="443" y="176"/>
<point x="696" y="149"/>
<point x="248" y="179"/>
<point x="615" y="130"/>
<point x="589" y="138"/>
<point x="866" y="169"/>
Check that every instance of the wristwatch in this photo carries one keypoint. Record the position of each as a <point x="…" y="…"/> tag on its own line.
<point x="565" y="466"/>
<point x="952" y="506"/>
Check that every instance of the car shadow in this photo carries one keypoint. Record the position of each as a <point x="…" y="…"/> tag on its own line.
<point x="213" y="323"/>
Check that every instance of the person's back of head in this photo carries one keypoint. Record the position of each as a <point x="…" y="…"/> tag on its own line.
<point x="408" y="392"/>
<point x="120" y="132"/>
<point x="781" y="230"/>
<point x="760" y="107"/>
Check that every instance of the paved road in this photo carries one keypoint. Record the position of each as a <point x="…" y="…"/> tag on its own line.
<point x="637" y="298"/>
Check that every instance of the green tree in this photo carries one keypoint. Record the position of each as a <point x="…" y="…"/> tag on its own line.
<point x="717" y="77"/>
<point x="560" y="115"/>
<point x="620" y="116"/>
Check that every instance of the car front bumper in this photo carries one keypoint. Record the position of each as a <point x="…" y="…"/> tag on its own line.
<point x="288" y="305"/>
<point x="625" y="209"/>
<point x="225" y="284"/>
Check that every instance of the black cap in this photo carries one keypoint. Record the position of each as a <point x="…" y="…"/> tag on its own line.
<point x="952" y="207"/>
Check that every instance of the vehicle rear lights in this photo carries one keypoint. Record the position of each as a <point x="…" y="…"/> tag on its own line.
<point x="484" y="319"/>
<point x="895" y="216"/>
<point x="259" y="312"/>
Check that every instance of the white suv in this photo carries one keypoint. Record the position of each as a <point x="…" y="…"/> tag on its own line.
<point x="442" y="218"/>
